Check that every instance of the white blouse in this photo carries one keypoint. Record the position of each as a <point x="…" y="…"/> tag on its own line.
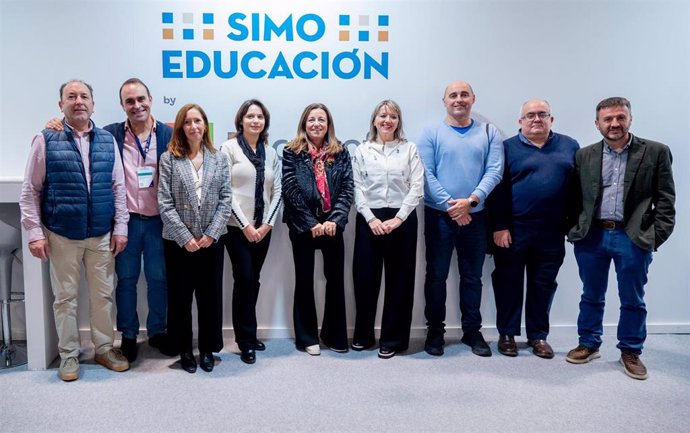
<point x="243" y="183"/>
<point x="389" y="175"/>
<point x="198" y="176"/>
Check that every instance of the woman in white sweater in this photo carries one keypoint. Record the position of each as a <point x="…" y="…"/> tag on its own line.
<point x="256" y="201"/>
<point x="389" y="182"/>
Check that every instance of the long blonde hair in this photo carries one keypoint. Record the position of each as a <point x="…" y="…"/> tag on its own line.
<point x="300" y="143"/>
<point x="178" y="146"/>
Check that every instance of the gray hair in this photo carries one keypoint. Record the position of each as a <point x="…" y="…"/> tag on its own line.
<point x="530" y="100"/>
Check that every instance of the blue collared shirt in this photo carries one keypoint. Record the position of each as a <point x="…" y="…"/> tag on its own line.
<point x="613" y="165"/>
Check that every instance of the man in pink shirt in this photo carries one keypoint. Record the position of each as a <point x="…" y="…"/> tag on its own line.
<point x="73" y="208"/>
<point x="141" y="141"/>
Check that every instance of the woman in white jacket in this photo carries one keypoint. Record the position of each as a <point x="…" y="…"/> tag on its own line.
<point x="389" y="182"/>
<point x="256" y="188"/>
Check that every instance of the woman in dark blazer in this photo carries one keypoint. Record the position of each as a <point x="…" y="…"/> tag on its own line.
<point x="194" y="199"/>
<point x="256" y="202"/>
<point x="318" y="191"/>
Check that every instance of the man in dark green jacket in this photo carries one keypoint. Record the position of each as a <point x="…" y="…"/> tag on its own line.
<point x="625" y="213"/>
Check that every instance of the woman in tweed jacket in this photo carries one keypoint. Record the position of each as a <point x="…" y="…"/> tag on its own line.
<point x="194" y="199"/>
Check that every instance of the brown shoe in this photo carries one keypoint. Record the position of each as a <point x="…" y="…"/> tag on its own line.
<point x="113" y="360"/>
<point x="507" y="346"/>
<point x="633" y="366"/>
<point x="582" y="355"/>
<point x="541" y="348"/>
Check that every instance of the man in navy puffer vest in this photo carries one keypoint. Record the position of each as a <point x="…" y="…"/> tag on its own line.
<point x="141" y="140"/>
<point x="73" y="209"/>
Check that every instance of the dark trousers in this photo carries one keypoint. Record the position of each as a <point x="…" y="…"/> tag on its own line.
<point x="198" y="274"/>
<point x="540" y="252"/>
<point x="442" y="235"/>
<point x="247" y="260"/>
<point x="396" y="251"/>
<point x="334" y="326"/>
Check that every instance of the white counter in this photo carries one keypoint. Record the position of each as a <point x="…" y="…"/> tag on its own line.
<point x="41" y="338"/>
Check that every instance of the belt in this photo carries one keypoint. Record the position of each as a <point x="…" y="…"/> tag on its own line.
<point x="142" y="217"/>
<point x="609" y="224"/>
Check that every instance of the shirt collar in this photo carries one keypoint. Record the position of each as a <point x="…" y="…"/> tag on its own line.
<point x="81" y="134"/>
<point x="608" y="148"/>
<point x="529" y="142"/>
<point x="129" y="129"/>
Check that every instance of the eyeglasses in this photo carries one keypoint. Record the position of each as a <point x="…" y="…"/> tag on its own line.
<point x="542" y="115"/>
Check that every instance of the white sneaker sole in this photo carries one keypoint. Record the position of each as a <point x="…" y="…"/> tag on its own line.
<point x="313" y="350"/>
<point x="591" y="357"/>
<point x="631" y="374"/>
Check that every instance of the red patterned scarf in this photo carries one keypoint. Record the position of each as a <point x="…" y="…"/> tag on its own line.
<point x="319" y="160"/>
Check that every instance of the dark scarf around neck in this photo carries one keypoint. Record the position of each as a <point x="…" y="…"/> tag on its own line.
<point x="258" y="159"/>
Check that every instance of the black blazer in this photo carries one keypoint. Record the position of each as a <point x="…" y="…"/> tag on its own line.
<point x="648" y="195"/>
<point x="303" y="208"/>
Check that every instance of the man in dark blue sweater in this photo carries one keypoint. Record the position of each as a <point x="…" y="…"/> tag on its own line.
<point x="528" y="213"/>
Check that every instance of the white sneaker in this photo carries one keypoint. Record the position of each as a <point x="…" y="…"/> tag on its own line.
<point x="313" y="350"/>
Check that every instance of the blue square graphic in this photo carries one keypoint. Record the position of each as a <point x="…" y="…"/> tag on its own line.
<point x="363" y="35"/>
<point x="383" y="20"/>
<point x="187" y="33"/>
<point x="344" y="20"/>
<point x="207" y="18"/>
<point x="167" y="18"/>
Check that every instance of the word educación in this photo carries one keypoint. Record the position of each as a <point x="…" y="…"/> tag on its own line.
<point x="256" y="64"/>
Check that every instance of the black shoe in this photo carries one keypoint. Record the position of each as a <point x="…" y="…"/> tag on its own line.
<point x="187" y="362"/>
<point x="259" y="346"/>
<point x="433" y="350"/>
<point x="476" y="341"/>
<point x="206" y="361"/>
<point x="338" y="349"/>
<point x="129" y="348"/>
<point x="434" y="343"/>
<point x="163" y="344"/>
<point x="248" y="356"/>
<point x="359" y="346"/>
<point x="386" y="353"/>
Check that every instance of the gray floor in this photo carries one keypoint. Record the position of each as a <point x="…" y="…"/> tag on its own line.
<point x="289" y="391"/>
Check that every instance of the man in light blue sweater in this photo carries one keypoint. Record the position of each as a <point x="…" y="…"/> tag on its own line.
<point x="463" y="161"/>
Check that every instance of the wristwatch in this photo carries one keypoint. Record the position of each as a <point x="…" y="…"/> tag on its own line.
<point x="473" y="202"/>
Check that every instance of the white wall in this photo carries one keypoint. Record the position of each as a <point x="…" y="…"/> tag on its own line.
<point x="572" y="53"/>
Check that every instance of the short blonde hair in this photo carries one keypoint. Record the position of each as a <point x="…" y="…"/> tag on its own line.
<point x="398" y="135"/>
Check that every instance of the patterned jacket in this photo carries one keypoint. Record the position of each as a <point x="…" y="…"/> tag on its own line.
<point x="183" y="219"/>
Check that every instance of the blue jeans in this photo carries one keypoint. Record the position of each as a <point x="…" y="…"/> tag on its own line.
<point x="442" y="235"/>
<point x="144" y="236"/>
<point x="594" y="254"/>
